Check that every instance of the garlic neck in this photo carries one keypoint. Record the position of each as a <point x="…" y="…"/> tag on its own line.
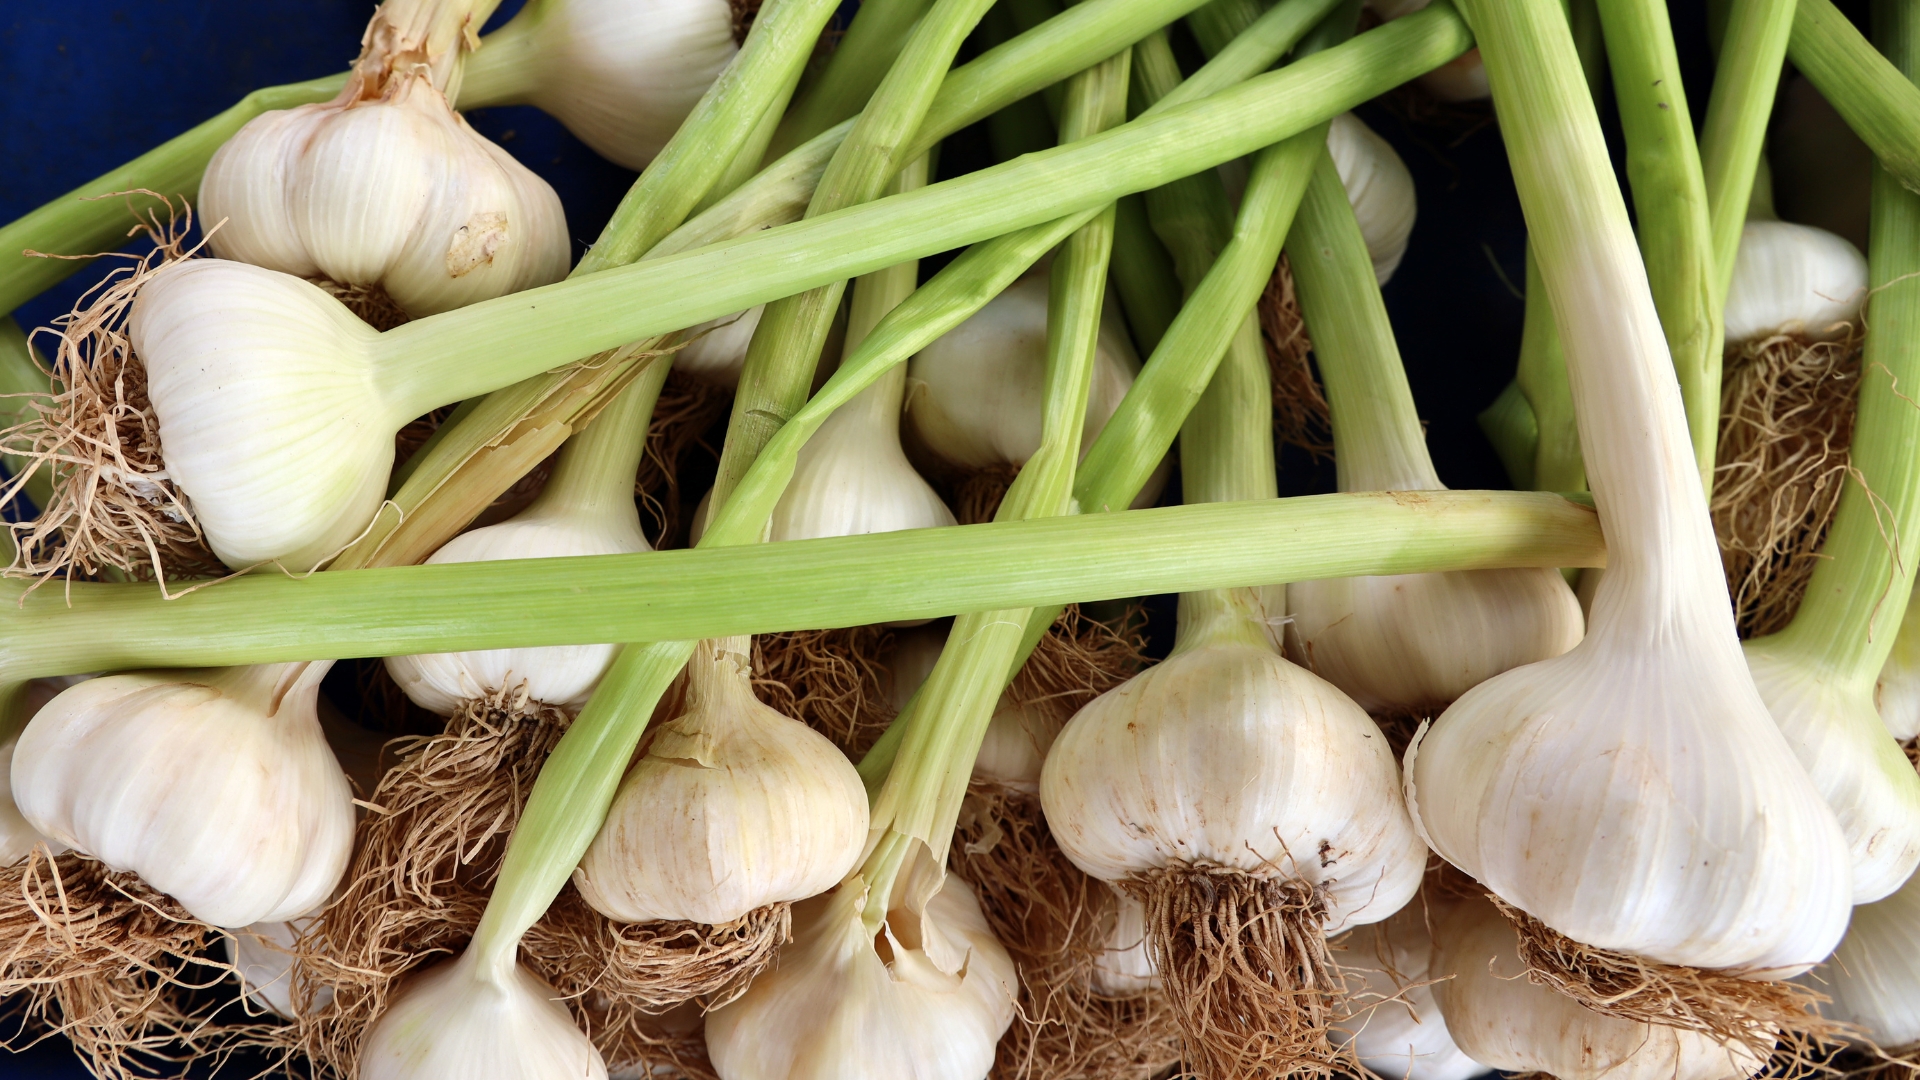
<point x="409" y="39"/>
<point x="594" y="479"/>
<point x="721" y="671"/>
<point x="507" y="70"/>
<point x="1221" y="617"/>
<point x="276" y="690"/>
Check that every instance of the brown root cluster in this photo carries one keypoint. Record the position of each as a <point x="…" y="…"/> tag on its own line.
<point x="685" y="411"/>
<point x="1301" y="416"/>
<point x="1080" y="658"/>
<point x="104" y="960"/>
<point x="977" y="496"/>
<point x="1773" y="1020"/>
<point x="1786" y="420"/>
<point x="370" y="302"/>
<point x="112" y="505"/>
<point x="834" y="681"/>
<point x="1245" y="961"/>
<point x="1055" y="921"/>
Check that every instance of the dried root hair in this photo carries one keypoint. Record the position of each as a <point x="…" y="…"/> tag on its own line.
<point x="976" y="496"/>
<point x="113" y="506"/>
<point x="1786" y="420"/>
<point x="834" y="681"/>
<point x="1252" y="981"/>
<point x="115" y="967"/>
<point x="370" y="302"/>
<point x="685" y="411"/>
<point x="1078" y="659"/>
<point x="1773" y="1020"/>
<point x="1301" y="416"/>
<point x="1055" y="921"/>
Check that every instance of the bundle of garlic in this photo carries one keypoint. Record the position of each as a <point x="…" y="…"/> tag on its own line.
<point x="1400" y="645"/>
<point x="1872" y="978"/>
<point x="1646" y="746"/>
<point x="1398" y="1031"/>
<point x="385" y="191"/>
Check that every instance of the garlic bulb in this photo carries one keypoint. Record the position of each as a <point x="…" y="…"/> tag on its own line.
<point x="1498" y="1017"/>
<point x="620" y="74"/>
<point x="262" y="957"/>
<point x="852" y="477"/>
<point x="386" y="186"/>
<point x="1401" y="1035"/>
<point x="927" y="998"/>
<point x="1874" y="976"/>
<point x="1226" y="754"/>
<point x="716" y="350"/>
<point x="216" y="786"/>
<point x="17" y="837"/>
<point x="1125" y="967"/>
<point x="1896" y="696"/>
<point x="1015" y="746"/>
<point x="974" y="395"/>
<point x="461" y="1019"/>
<point x="1379" y="187"/>
<point x="1830" y="723"/>
<point x="586" y="508"/>
<point x="730" y="807"/>
<point x="1793" y="279"/>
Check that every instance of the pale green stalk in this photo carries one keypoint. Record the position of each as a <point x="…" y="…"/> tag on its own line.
<point x="1191" y="215"/>
<point x="1751" y="52"/>
<point x="1542" y="377"/>
<point x="1877" y="102"/>
<point x="1142" y="275"/>
<point x="1221" y="21"/>
<point x="1670" y="196"/>
<point x="873" y="40"/>
<point x="21" y="380"/>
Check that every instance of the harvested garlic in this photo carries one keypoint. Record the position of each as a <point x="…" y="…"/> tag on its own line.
<point x="1497" y="1016"/>
<point x="469" y="1019"/>
<point x="17" y="838"/>
<point x="716" y="350"/>
<point x="386" y="186"/>
<point x="926" y="997"/>
<point x="1874" y="976"/>
<point x="1401" y="1034"/>
<point x="852" y="476"/>
<point x="1380" y="188"/>
<point x="1017" y="737"/>
<point x="263" y="958"/>
<point x="620" y="74"/>
<point x="1793" y="279"/>
<point x="216" y="787"/>
<point x="1125" y="967"/>
<point x="730" y="807"/>
<point x="1896" y="696"/>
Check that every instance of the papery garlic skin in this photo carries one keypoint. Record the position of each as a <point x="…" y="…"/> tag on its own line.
<point x="560" y="675"/>
<point x="290" y="460"/>
<point x="1379" y="187"/>
<point x="620" y="74"/>
<point x="1418" y="641"/>
<point x="1793" y="279"/>
<point x="262" y="955"/>
<point x="716" y="350"/>
<point x="1498" y="1017"/>
<point x="1896" y="696"/>
<point x="216" y="787"/>
<point x="1227" y="755"/>
<point x="974" y="396"/>
<point x="835" y="1009"/>
<point x="1860" y="771"/>
<point x="1874" y="976"/>
<point x="1125" y="967"/>
<point x="396" y="192"/>
<point x="730" y="807"/>
<point x="458" y="1020"/>
<point x="852" y="478"/>
<point x="1402" y="1035"/>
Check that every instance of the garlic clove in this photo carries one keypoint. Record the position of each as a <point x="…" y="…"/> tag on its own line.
<point x="1410" y="642"/>
<point x="262" y="956"/>
<point x="560" y="675"/>
<point x="730" y="807"/>
<point x="1495" y="1015"/>
<point x="1793" y="279"/>
<point x="1379" y="187"/>
<point x="459" y="1020"/>
<point x="716" y="350"/>
<point x="1852" y="761"/>
<point x="290" y="461"/>
<point x="1228" y="755"/>
<point x="242" y="195"/>
<point x="1125" y="967"/>
<point x="216" y="787"/>
<point x="1544" y="782"/>
<point x="1896" y="696"/>
<point x="1874" y="976"/>
<point x="847" y="1004"/>
<point x="1401" y="1034"/>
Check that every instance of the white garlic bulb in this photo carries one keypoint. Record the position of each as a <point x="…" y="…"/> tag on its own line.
<point x="1015" y="746"/>
<point x="927" y="998"/>
<point x="1125" y="967"/>
<point x="291" y="460"/>
<point x="460" y="1019"/>
<point x="17" y="837"/>
<point x="1379" y="187"/>
<point x="1874" y="976"/>
<point x="974" y="396"/>
<point x="1226" y="754"/>
<point x="1418" y="641"/>
<point x="716" y="350"/>
<point x="216" y="787"/>
<point x="620" y="74"/>
<point x="730" y="807"/>
<point x="852" y="477"/>
<point x="1498" y="1017"/>
<point x="394" y="192"/>
<point x="263" y="960"/>
<point x="1830" y="723"/>
<point x="1401" y="1034"/>
<point x="1896" y="696"/>
<point x="1793" y="279"/>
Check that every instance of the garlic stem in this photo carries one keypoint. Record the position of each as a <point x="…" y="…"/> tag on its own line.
<point x="1190" y="215"/>
<point x="873" y="40"/>
<point x="1220" y="21"/>
<point x="1735" y="127"/>
<point x="1670" y="199"/>
<point x="1557" y="462"/>
<point x="19" y="377"/>
<point x="594" y="477"/>
<point x="1877" y="102"/>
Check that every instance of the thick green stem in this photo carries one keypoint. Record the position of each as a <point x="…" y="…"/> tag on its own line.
<point x="1670" y="196"/>
<point x="873" y="40"/>
<point x="1191" y="215"/>
<point x="1542" y="377"/>
<point x="21" y="379"/>
<point x="1877" y="102"/>
<point x="1221" y="21"/>
<point x="594" y="477"/>
<point x="1754" y="47"/>
<point x="1860" y="588"/>
<point x="1379" y="442"/>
